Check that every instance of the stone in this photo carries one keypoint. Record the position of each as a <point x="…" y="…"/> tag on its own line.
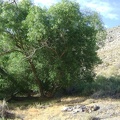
<point x="65" y="109"/>
<point x="79" y="108"/>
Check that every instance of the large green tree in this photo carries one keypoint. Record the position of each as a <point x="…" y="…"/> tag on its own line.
<point x="59" y="44"/>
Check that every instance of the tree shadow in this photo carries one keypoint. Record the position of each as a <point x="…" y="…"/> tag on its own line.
<point x="101" y="88"/>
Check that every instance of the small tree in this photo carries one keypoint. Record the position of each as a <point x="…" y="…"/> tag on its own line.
<point x="59" y="43"/>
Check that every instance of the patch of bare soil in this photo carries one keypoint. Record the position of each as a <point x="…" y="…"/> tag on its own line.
<point x="109" y="109"/>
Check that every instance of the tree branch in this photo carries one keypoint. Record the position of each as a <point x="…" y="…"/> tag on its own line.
<point x="32" y="53"/>
<point x="45" y="44"/>
<point x="63" y="53"/>
<point x="14" y="1"/>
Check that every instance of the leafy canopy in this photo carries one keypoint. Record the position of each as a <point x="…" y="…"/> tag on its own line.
<point x="59" y="43"/>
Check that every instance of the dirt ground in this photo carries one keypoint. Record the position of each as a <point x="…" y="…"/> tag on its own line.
<point x="52" y="110"/>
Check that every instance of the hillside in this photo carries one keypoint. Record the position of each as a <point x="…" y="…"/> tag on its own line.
<point x="110" y="54"/>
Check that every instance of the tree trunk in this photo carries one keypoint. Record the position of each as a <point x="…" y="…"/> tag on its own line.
<point x="37" y="80"/>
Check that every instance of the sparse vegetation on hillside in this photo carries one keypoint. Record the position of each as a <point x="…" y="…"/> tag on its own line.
<point x="110" y="54"/>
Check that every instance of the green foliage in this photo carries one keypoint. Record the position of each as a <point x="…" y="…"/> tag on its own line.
<point x="55" y="46"/>
<point x="101" y="87"/>
<point x="15" y="75"/>
<point x="109" y="85"/>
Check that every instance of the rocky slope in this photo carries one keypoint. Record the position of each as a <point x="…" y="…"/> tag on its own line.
<point x="110" y="54"/>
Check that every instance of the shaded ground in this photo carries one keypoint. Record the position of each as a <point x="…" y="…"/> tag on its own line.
<point x="52" y="110"/>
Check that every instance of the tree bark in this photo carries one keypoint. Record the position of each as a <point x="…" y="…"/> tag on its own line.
<point x="37" y="80"/>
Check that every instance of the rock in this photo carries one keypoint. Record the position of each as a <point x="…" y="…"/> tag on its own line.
<point x="95" y="118"/>
<point x="95" y="108"/>
<point x="65" y="109"/>
<point x="70" y="109"/>
<point x="79" y="108"/>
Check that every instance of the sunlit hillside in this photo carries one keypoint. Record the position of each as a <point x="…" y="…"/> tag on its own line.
<point x="110" y="54"/>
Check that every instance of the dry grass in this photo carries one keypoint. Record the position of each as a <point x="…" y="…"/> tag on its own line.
<point x="52" y="110"/>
